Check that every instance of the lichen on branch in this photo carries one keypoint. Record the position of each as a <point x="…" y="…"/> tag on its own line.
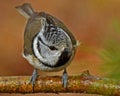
<point x="84" y="83"/>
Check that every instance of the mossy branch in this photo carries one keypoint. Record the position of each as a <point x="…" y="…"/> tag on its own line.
<point x="85" y="83"/>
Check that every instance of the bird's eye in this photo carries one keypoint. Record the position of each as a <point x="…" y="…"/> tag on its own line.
<point x="52" y="48"/>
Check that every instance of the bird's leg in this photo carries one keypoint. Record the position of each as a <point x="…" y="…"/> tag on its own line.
<point x="65" y="79"/>
<point x="34" y="77"/>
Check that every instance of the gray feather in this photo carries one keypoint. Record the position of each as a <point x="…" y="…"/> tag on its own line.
<point x="26" y="10"/>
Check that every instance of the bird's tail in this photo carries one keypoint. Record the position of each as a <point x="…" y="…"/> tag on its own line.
<point x="26" y="10"/>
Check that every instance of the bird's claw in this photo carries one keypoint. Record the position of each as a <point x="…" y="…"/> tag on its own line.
<point x="65" y="79"/>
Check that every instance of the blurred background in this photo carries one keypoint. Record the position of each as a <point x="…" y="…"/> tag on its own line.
<point x="95" y="23"/>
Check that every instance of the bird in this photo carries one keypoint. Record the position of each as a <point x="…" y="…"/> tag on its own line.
<point x="48" y="44"/>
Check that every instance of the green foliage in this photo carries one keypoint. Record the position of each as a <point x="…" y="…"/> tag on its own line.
<point x="110" y="53"/>
<point x="116" y="24"/>
<point x="111" y="58"/>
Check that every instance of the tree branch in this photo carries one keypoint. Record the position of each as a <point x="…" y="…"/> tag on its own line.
<point x="85" y="83"/>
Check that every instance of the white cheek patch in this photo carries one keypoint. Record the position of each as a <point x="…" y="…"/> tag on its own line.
<point x="46" y="55"/>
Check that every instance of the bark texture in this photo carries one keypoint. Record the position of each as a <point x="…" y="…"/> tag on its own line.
<point x="84" y="83"/>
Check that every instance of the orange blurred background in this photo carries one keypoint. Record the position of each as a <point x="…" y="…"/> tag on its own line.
<point x="89" y="20"/>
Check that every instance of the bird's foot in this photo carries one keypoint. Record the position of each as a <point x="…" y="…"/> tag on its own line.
<point x="33" y="78"/>
<point x="65" y="79"/>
